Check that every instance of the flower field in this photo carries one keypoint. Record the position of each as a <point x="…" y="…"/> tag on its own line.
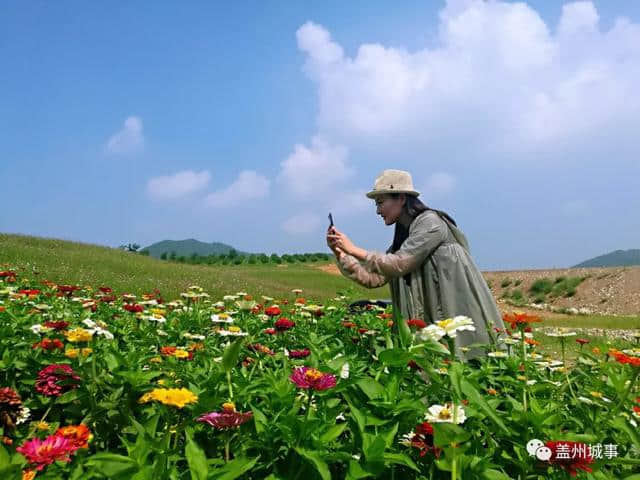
<point x="99" y="384"/>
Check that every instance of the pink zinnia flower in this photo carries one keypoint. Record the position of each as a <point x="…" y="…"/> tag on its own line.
<point x="45" y="452"/>
<point x="227" y="418"/>
<point x="284" y="324"/>
<point x="305" y="352"/>
<point x="54" y="380"/>
<point x="307" y="377"/>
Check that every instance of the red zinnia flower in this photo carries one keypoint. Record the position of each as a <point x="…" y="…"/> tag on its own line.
<point x="7" y="273"/>
<point x="68" y="289"/>
<point x="582" y="341"/>
<point x="270" y="331"/>
<point x="108" y="298"/>
<point x="49" y="344"/>
<point x="105" y="289"/>
<point x="272" y="311"/>
<point x="622" y="358"/>
<point x="10" y="407"/>
<point x="416" y="322"/>
<point x="55" y="379"/>
<point x="413" y="365"/>
<point x="227" y="418"/>
<point x="284" y="324"/>
<point x="304" y="353"/>
<point x="307" y="377"/>
<point x="29" y="292"/>
<point x="45" y="452"/>
<point x="59" y="325"/>
<point x="348" y="324"/>
<point x="362" y="330"/>
<point x="422" y="439"/>
<point x="385" y="316"/>
<point x="133" y="307"/>
<point x="571" y="456"/>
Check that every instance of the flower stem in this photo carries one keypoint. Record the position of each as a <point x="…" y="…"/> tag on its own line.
<point x="624" y="396"/>
<point x="230" y="385"/>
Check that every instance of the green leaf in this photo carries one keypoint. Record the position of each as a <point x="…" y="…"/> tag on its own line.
<point x="401" y="459"/>
<point x="445" y="434"/>
<point x="406" y="336"/>
<point x="356" y="471"/>
<point x="358" y="416"/>
<point x="231" y="354"/>
<point x="333" y="433"/>
<point x="455" y="375"/>
<point x="196" y="459"/>
<point x="621" y="424"/>
<point x="4" y="457"/>
<point x="370" y="387"/>
<point x="234" y="468"/>
<point x="394" y="357"/>
<point x="318" y="462"/>
<point x="111" y="464"/>
<point x="475" y="396"/>
<point x="259" y="419"/>
<point x="491" y="474"/>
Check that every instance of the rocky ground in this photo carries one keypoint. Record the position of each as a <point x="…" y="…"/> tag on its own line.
<point x="607" y="291"/>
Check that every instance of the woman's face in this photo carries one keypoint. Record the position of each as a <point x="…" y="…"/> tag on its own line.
<point x="389" y="208"/>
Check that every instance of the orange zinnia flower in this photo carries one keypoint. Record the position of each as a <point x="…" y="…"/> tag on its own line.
<point x="519" y="319"/>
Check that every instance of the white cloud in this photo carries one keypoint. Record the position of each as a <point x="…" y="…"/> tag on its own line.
<point x="350" y="203"/>
<point x="248" y="186"/>
<point x="129" y="139"/>
<point x="302" y="224"/>
<point x="438" y="184"/>
<point x="315" y="170"/>
<point x="499" y="78"/>
<point x="177" y="185"/>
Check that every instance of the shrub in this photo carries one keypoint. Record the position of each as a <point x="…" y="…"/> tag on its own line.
<point x="541" y="286"/>
<point x="506" y="282"/>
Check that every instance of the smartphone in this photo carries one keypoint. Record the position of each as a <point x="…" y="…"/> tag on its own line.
<point x="330" y="220"/>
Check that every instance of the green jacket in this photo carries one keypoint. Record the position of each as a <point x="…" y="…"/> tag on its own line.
<point x="444" y="280"/>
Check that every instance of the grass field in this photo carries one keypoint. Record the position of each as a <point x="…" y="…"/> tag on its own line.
<point x="70" y="262"/>
<point x="77" y="263"/>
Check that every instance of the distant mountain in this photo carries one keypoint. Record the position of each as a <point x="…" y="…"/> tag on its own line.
<point x="188" y="247"/>
<point x="619" y="258"/>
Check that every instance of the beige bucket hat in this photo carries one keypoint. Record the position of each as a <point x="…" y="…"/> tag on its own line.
<point x="393" y="181"/>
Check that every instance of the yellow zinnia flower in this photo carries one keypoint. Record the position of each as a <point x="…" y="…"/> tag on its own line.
<point x="79" y="335"/>
<point x="177" y="397"/>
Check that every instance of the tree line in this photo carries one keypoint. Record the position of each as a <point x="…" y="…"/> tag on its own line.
<point x="236" y="258"/>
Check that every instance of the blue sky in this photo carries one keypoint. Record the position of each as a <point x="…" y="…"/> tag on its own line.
<point x="246" y="122"/>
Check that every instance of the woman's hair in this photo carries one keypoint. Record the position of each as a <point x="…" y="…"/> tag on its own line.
<point x="413" y="207"/>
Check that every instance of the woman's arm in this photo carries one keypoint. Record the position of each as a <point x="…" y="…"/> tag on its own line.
<point x="426" y="234"/>
<point x="350" y="267"/>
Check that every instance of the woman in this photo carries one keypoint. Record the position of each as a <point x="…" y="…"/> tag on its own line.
<point x="429" y="268"/>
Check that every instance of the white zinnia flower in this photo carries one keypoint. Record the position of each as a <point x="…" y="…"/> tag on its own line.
<point x="498" y="354"/>
<point x="445" y="414"/>
<point x="344" y="371"/>
<point x="561" y="332"/>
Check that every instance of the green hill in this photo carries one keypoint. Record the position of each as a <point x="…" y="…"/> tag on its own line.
<point x="618" y="258"/>
<point x="188" y="247"/>
<point x="85" y="264"/>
